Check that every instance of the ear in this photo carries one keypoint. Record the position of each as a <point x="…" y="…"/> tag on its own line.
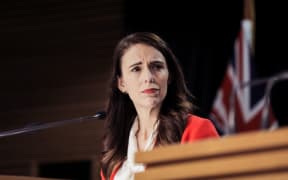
<point x="121" y="85"/>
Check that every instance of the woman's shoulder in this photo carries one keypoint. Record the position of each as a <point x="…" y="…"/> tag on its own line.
<point x="198" y="128"/>
<point x="197" y="120"/>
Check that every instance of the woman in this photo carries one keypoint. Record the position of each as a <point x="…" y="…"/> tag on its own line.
<point x="148" y="105"/>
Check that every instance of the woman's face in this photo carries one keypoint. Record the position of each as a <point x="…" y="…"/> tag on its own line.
<point x="144" y="76"/>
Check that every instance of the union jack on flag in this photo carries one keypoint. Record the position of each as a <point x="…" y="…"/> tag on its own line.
<point x="240" y="108"/>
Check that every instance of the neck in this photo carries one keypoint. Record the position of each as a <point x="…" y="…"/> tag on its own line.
<point x="147" y="119"/>
<point x="146" y="126"/>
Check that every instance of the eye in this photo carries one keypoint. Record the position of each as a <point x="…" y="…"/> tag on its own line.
<point x="135" y="69"/>
<point x="157" y="66"/>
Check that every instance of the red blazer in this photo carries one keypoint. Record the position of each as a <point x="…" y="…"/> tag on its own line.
<point x="197" y="128"/>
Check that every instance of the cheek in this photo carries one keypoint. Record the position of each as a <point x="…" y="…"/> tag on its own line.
<point x="164" y="85"/>
<point x="131" y="84"/>
<point x="165" y="79"/>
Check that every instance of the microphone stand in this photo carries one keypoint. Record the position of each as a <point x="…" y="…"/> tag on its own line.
<point x="36" y="127"/>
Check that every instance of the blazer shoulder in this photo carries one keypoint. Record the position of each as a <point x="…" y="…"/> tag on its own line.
<point x="198" y="128"/>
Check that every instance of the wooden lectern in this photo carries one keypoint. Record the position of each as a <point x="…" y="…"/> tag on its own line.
<point x="254" y="156"/>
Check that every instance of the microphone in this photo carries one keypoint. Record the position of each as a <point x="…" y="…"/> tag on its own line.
<point x="35" y="127"/>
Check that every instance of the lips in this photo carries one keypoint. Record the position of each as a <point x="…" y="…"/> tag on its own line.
<point x="150" y="91"/>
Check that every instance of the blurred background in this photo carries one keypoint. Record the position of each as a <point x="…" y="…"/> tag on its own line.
<point x="55" y="65"/>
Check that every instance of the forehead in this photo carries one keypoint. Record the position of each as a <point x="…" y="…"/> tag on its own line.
<point x="142" y="52"/>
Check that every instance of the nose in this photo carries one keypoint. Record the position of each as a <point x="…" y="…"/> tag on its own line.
<point x="148" y="76"/>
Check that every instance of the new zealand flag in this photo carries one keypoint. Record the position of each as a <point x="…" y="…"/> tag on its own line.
<point x="241" y="105"/>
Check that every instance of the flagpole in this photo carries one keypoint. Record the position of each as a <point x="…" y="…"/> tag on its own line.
<point x="249" y="14"/>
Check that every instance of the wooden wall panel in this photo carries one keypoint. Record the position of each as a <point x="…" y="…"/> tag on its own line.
<point x="55" y="66"/>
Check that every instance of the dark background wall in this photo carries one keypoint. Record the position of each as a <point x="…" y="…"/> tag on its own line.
<point x="55" y="58"/>
<point x="55" y="53"/>
<point x="54" y="65"/>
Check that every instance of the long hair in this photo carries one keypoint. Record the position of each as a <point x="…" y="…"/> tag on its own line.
<point x="121" y="111"/>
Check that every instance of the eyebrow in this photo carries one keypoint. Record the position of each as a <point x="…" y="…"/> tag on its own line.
<point x="157" y="62"/>
<point x="135" y="64"/>
<point x="152" y="62"/>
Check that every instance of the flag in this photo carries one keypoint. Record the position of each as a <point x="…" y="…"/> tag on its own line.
<point x="240" y="105"/>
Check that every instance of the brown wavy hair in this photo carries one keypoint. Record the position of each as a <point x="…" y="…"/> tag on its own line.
<point x="121" y="111"/>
